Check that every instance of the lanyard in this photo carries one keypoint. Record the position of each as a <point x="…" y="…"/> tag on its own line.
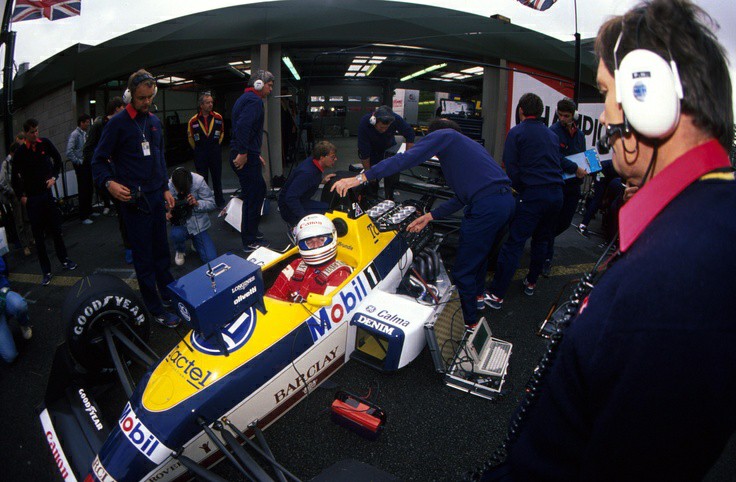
<point x="142" y="131"/>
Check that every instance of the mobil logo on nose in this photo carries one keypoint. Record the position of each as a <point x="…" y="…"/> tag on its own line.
<point x="142" y="438"/>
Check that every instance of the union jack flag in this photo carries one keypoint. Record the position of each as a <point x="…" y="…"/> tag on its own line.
<point x="51" y="9"/>
<point x="538" y="4"/>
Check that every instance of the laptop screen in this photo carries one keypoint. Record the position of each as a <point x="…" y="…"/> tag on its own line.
<point x="480" y="337"/>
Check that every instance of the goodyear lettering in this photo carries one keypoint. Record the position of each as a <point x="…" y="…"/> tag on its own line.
<point x="57" y="455"/>
<point x="90" y="409"/>
<point x="375" y="324"/>
<point x="348" y="300"/>
<point x="243" y="285"/>
<point x="100" y="472"/>
<point x="96" y="305"/>
<point x="193" y="374"/>
<point x="385" y="315"/>
<point x="312" y="371"/>
<point x="245" y="295"/>
<point x="142" y="438"/>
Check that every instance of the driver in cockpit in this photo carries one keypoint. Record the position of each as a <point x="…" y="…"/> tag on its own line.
<point x="317" y="270"/>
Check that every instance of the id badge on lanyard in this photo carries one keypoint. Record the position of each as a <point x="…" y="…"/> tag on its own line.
<point x="146" y="148"/>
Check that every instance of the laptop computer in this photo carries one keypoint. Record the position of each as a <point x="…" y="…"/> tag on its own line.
<point x="484" y="354"/>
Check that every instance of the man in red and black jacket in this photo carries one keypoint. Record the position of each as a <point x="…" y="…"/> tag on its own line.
<point x="205" y="133"/>
<point x="36" y="165"/>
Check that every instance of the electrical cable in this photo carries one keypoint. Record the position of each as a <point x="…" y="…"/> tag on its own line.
<point x="584" y="287"/>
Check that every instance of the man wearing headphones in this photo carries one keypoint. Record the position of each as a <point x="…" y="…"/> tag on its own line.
<point x="129" y="162"/>
<point x="245" y="155"/>
<point x="572" y="141"/>
<point x="643" y="384"/>
<point x="205" y="133"/>
<point x="376" y="135"/>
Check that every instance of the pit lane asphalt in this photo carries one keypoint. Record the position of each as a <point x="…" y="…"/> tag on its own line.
<point x="433" y="432"/>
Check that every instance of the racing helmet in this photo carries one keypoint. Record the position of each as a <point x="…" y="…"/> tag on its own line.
<point x="316" y="238"/>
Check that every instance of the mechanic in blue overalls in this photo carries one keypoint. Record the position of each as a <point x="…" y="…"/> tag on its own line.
<point x="245" y="155"/>
<point x="481" y="189"/>
<point x="129" y="162"/>
<point x="375" y="135"/>
<point x="531" y="155"/>
<point x="571" y="141"/>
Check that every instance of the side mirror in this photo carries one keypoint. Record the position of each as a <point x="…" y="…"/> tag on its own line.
<point x="319" y="300"/>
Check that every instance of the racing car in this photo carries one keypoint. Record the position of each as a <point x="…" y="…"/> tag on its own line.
<point x="247" y="359"/>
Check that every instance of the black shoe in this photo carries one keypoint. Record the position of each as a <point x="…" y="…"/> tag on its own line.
<point x="528" y="287"/>
<point x="169" y="320"/>
<point x="46" y="279"/>
<point x="547" y="268"/>
<point x="259" y="235"/>
<point x="69" y="264"/>
<point x="167" y="302"/>
<point x="255" y="245"/>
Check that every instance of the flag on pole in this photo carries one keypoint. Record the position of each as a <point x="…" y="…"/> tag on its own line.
<point x="538" y="4"/>
<point x="51" y="9"/>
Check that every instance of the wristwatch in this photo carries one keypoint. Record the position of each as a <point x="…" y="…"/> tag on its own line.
<point x="107" y="184"/>
<point x="360" y="178"/>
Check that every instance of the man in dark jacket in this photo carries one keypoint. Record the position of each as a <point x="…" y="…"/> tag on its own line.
<point x="376" y="133"/>
<point x="245" y="155"/>
<point x="295" y="199"/>
<point x="36" y="165"/>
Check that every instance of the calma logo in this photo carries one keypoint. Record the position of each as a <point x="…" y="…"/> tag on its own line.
<point x="142" y="438"/>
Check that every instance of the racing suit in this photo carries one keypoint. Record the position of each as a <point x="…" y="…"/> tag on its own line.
<point x="298" y="279"/>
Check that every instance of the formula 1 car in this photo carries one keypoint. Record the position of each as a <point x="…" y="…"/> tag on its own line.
<point x="247" y="360"/>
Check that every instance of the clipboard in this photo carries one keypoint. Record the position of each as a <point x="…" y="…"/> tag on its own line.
<point x="588" y="160"/>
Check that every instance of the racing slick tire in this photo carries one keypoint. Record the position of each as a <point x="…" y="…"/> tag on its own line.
<point x="94" y="302"/>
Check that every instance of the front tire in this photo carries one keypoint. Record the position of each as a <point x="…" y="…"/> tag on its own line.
<point x="96" y="302"/>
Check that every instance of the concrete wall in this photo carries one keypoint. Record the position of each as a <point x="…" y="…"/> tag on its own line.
<point x="56" y="115"/>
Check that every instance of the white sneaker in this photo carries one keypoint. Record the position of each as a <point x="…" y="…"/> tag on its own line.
<point x="87" y="221"/>
<point x="179" y="258"/>
<point x="26" y="331"/>
<point x="106" y="211"/>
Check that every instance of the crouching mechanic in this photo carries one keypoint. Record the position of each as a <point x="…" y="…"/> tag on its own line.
<point x="189" y="220"/>
<point x="295" y="199"/>
<point x="317" y="270"/>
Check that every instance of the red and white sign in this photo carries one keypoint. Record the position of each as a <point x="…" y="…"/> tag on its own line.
<point x="551" y="89"/>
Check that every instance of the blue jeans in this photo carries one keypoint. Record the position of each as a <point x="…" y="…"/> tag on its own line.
<point x="202" y="242"/>
<point x="16" y="307"/>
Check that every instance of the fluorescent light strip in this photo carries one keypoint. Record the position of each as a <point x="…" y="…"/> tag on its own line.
<point x="440" y="79"/>
<point x="473" y="70"/>
<point x="424" y="71"/>
<point x="287" y="62"/>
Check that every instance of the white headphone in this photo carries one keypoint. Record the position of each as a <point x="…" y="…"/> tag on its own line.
<point x="128" y="96"/>
<point x="258" y="85"/>
<point x="649" y="91"/>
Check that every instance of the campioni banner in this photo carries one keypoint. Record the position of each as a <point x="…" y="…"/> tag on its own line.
<point x="51" y="9"/>
<point x="551" y="89"/>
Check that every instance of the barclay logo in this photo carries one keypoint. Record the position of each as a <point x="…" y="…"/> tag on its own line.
<point x="142" y="438"/>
